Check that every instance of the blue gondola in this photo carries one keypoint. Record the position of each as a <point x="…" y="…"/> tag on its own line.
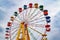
<point x="7" y="31"/>
<point x="7" y="28"/>
<point x="47" y="17"/>
<point x="25" y="6"/>
<point x="48" y="20"/>
<point x="15" y="14"/>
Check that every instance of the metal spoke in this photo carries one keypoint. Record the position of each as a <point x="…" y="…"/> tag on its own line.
<point x="36" y="19"/>
<point x="32" y="34"/>
<point x="14" y="36"/>
<point x="26" y="13"/>
<point x="37" y="25"/>
<point x="14" y="31"/>
<point x="32" y="13"/>
<point x="35" y="15"/>
<point x="17" y="20"/>
<point x="36" y="31"/>
<point x="19" y="17"/>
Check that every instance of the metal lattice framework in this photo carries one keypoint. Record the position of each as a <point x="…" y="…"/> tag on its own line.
<point x="32" y="17"/>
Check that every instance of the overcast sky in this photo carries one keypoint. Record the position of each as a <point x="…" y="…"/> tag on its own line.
<point x="7" y="7"/>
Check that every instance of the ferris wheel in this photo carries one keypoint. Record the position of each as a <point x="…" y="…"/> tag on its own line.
<point x="29" y="23"/>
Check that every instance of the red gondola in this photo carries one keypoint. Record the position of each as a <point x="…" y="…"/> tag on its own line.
<point x="47" y="26"/>
<point x="45" y="12"/>
<point x="30" y="5"/>
<point x="7" y="34"/>
<point x="9" y="24"/>
<point x="20" y="9"/>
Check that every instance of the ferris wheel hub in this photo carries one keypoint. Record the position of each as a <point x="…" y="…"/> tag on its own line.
<point x="25" y="21"/>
